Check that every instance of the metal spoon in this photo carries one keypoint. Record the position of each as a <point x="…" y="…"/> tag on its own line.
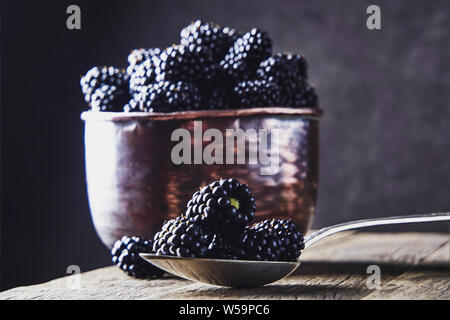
<point x="244" y="273"/>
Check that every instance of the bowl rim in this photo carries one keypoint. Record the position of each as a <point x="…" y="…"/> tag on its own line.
<point x="310" y="112"/>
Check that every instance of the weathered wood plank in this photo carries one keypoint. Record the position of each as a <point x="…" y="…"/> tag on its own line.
<point x="439" y="256"/>
<point x="396" y="248"/>
<point x="415" y="285"/>
<point x="413" y="266"/>
<point x="104" y="283"/>
<point x="425" y="285"/>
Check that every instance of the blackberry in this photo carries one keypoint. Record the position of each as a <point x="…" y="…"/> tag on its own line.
<point x="109" y="98"/>
<point x="247" y="52"/>
<point x="134" y="106"/>
<point x="301" y="94"/>
<point x="284" y="69"/>
<point x="247" y="244"/>
<point x="290" y="73"/>
<point x="310" y="96"/>
<point x="143" y="68"/>
<point x="217" y="99"/>
<point x="217" y="39"/>
<point x="181" y="96"/>
<point x="223" y="206"/>
<point x="166" y="96"/>
<point x="232" y="71"/>
<point x="259" y="245"/>
<point x="182" y="237"/>
<point x="235" y="244"/>
<point x="191" y="63"/>
<point x="217" y="249"/>
<point x="138" y="56"/>
<point x="229" y="245"/>
<point x="137" y="105"/>
<point x="147" y="99"/>
<point x="99" y="76"/>
<point x="125" y="254"/>
<point x="279" y="239"/>
<point x="257" y="93"/>
<point x="269" y="240"/>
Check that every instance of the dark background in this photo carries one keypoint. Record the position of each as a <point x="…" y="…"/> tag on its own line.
<point x="385" y="145"/>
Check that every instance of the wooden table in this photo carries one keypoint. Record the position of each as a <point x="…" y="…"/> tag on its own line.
<point x="412" y="265"/>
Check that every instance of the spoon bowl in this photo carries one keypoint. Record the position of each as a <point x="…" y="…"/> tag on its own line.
<point x="245" y="274"/>
<point x="222" y="272"/>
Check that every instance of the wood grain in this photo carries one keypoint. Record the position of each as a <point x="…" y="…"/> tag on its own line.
<point x="413" y="266"/>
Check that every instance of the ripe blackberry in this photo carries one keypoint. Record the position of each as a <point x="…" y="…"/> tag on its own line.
<point x="247" y="52"/>
<point x="257" y="93"/>
<point x="182" y="237"/>
<point x="301" y="94"/>
<point x="191" y="63"/>
<point x="217" y="99"/>
<point x="166" y="96"/>
<point x="133" y="106"/>
<point x="251" y="244"/>
<point x="283" y="69"/>
<point x="109" y="98"/>
<point x="99" y="76"/>
<point x="147" y="99"/>
<point x="224" y="246"/>
<point x="143" y="68"/>
<point x="217" y="39"/>
<point x="217" y="249"/>
<point x="137" y="105"/>
<point x="138" y="56"/>
<point x="125" y="254"/>
<point x="181" y="96"/>
<point x="223" y="206"/>
<point x="279" y="239"/>
<point x="232" y="71"/>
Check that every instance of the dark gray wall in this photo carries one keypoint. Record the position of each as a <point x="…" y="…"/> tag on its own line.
<point x="385" y="145"/>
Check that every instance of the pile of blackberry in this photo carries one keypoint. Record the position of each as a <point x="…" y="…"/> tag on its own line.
<point x="212" y="67"/>
<point x="217" y="224"/>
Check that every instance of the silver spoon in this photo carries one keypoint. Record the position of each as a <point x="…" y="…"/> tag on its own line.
<point x="244" y="273"/>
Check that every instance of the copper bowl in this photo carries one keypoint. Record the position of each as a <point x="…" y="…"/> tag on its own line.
<point x="133" y="184"/>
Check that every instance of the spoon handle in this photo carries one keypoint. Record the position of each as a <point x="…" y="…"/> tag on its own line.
<point x="328" y="231"/>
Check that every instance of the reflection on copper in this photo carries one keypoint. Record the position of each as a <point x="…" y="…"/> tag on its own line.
<point x="133" y="186"/>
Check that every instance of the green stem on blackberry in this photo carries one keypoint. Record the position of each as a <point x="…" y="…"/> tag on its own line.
<point x="235" y="203"/>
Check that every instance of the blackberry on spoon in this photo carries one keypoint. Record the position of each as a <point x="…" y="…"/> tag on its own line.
<point x="279" y="239"/>
<point x="223" y="205"/>
<point x="182" y="237"/>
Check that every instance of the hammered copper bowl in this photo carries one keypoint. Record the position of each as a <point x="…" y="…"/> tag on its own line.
<point x="133" y="184"/>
